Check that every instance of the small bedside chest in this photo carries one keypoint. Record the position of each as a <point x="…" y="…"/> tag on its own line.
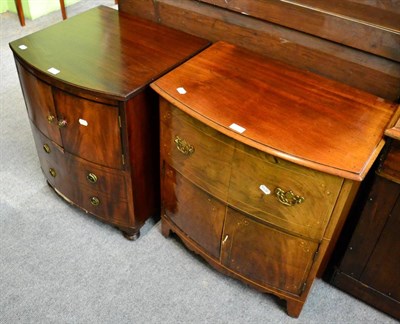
<point x="260" y="163"/>
<point x="93" y="117"/>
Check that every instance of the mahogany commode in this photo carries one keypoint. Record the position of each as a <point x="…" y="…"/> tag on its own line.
<point x="93" y="116"/>
<point x="260" y="163"/>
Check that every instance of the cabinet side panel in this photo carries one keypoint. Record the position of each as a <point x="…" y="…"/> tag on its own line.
<point x="141" y="133"/>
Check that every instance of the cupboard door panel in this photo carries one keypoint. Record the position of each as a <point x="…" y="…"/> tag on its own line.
<point x="39" y="102"/>
<point x="91" y="129"/>
<point x="194" y="211"/>
<point x="267" y="256"/>
<point x="382" y="269"/>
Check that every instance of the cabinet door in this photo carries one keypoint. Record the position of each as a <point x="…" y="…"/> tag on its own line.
<point x="91" y="130"/>
<point x="195" y="212"/>
<point x="265" y="255"/>
<point x="39" y="103"/>
<point x="382" y="271"/>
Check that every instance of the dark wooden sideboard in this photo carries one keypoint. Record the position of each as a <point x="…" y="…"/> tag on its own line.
<point x="93" y="117"/>
<point x="370" y="265"/>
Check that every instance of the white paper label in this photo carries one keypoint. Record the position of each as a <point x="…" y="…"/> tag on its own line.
<point x="23" y="47"/>
<point x="237" y="128"/>
<point x="181" y="90"/>
<point x="53" y="70"/>
<point x="265" y="190"/>
<point x="83" y="122"/>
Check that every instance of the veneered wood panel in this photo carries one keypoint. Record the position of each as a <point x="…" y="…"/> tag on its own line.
<point x="382" y="270"/>
<point x="391" y="167"/>
<point x="198" y="214"/>
<point x="298" y="116"/>
<point x="39" y="103"/>
<point x="96" y="67"/>
<point x="265" y="255"/>
<point x="139" y="118"/>
<point x="373" y="219"/>
<point x="208" y="166"/>
<point x="360" y="69"/>
<point x="251" y="169"/>
<point x="383" y="13"/>
<point x="363" y="27"/>
<point x="92" y="129"/>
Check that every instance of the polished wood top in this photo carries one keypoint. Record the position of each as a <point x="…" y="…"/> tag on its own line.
<point x="287" y="112"/>
<point x="107" y="52"/>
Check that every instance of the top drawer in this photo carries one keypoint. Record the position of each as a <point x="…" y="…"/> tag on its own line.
<point x="200" y="153"/>
<point x="255" y="172"/>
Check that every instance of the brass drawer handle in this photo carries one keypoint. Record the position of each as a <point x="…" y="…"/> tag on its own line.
<point x="52" y="172"/>
<point x="288" y="198"/>
<point x="46" y="148"/>
<point x="94" y="201"/>
<point x="50" y="118"/>
<point x="91" y="177"/>
<point x="62" y="123"/>
<point x="183" y="146"/>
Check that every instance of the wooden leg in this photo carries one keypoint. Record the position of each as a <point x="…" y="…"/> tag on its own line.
<point x="165" y="229"/>
<point x="131" y="235"/>
<point x="63" y="11"/>
<point x="294" y="308"/>
<point x="20" y="11"/>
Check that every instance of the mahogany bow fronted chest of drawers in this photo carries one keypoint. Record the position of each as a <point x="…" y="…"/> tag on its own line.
<point x="260" y="163"/>
<point x="93" y="116"/>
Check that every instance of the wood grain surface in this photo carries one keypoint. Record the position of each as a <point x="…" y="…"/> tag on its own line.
<point x="292" y="114"/>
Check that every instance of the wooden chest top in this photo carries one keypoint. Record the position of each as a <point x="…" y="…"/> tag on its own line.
<point x="106" y="52"/>
<point x="281" y="110"/>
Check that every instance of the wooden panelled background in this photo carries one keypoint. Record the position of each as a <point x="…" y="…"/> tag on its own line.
<point x="356" y="42"/>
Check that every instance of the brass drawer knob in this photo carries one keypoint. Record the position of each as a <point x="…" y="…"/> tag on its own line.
<point x="94" y="201"/>
<point x="288" y="198"/>
<point x="52" y="172"/>
<point x="46" y="148"/>
<point x="91" y="177"/>
<point x="183" y="146"/>
<point x="62" y="123"/>
<point x="51" y="118"/>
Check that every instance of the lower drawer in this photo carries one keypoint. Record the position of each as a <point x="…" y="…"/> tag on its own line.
<point x="98" y="190"/>
<point x="109" y="208"/>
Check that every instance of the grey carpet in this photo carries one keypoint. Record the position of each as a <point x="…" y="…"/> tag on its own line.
<point x="57" y="265"/>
